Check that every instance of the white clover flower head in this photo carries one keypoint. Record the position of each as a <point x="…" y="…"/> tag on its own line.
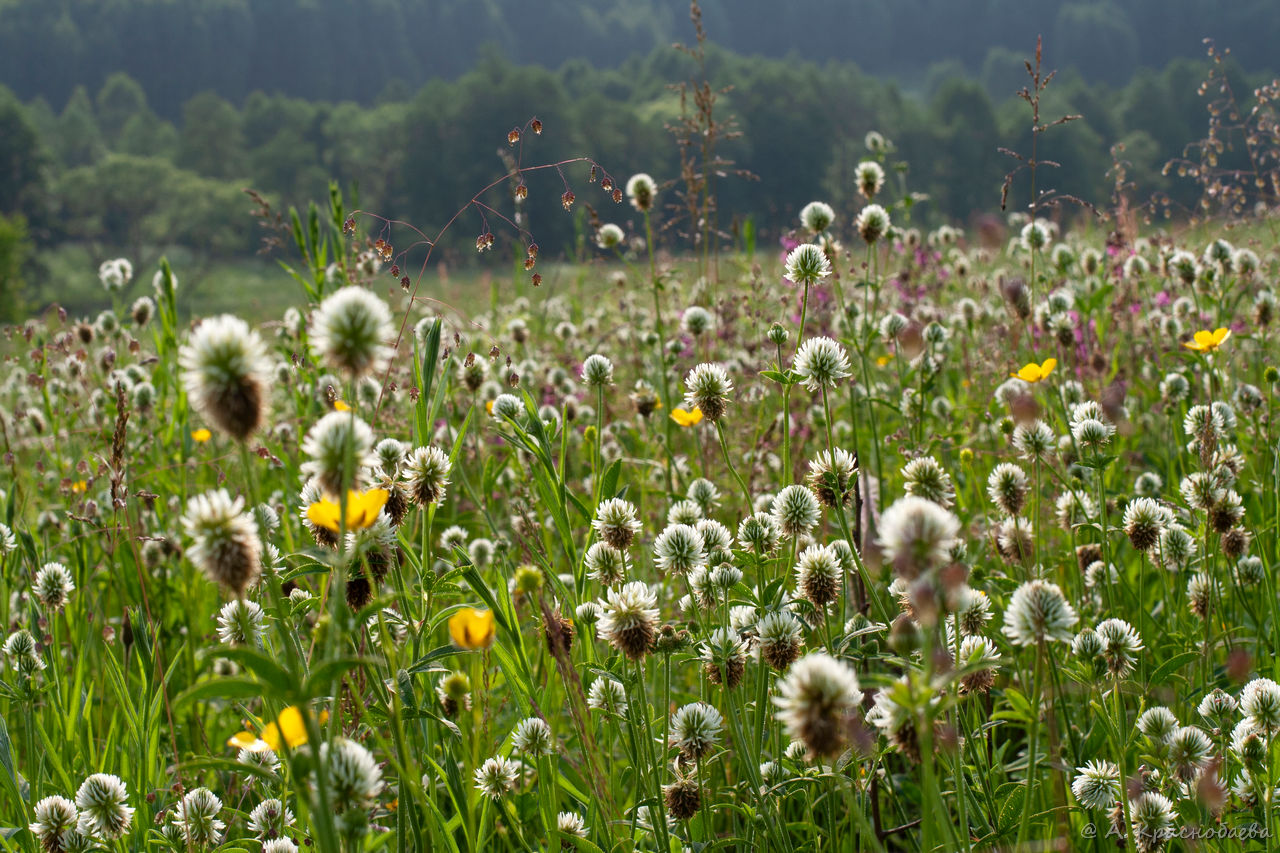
<point x="1152" y="816"/>
<point x="872" y="223"/>
<point x="1038" y="612"/>
<point x="795" y="510"/>
<point x="1189" y="751"/>
<point x="981" y="657"/>
<point x="391" y="455"/>
<point x="54" y="817"/>
<point x="685" y="512"/>
<point x="609" y="236"/>
<point x="532" y="736"/>
<point x="606" y="564"/>
<point x="226" y="374"/>
<point x="53" y="586"/>
<point x="497" y="777"/>
<point x="630" y="618"/>
<point x="1091" y="433"/>
<point x="697" y="320"/>
<point x="917" y="535"/>
<point x="355" y="780"/>
<point x="225" y="543"/>
<point x="1120" y="646"/>
<point x="240" y="623"/>
<point x="1217" y="706"/>
<point x="821" y="363"/>
<point x="695" y="729"/>
<point x="807" y="264"/>
<point x="1144" y="520"/>
<point x="892" y="325"/>
<point x="597" y="371"/>
<point x="780" y="638"/>
<point x="679" y="549"/>
<point x="641" y="191"/>
<point x="869" y="177"/>
<point x="972" y="609"/>
<point x="1008" y="486"/>
<point x="814" y="701"/>
<point x="704" y="493"/>
<point x="1157" y="724"/>
<point x="819" y="575"/>
<point x="571" y="823"/>
<point x="759" y="533"/>
<point x="339" y="448"/>
<point x="115" y="274"/>
<point x="426" y="475"/>
<point x="104" y="813"/>
<point x="1260" y="704"/>
<point x="707" y="386"/>
<point x="1034" y="441"/>
<point x="589" y="612"/>
<point x="1034" y="236"/>
<point x="616" y="522"/>
<point x="196" y="818"/>
<point x="1097" y="785"/>
<point x="833" y="476"/>
<point x="607" y="694"/>
<point x="817" y="216"/>
<point x="279" y="845"/>
<point x="8" y="542"/>
<point x="260" y="756"/>
<point x="926" y="478"/>
<point x="350" y="332"/>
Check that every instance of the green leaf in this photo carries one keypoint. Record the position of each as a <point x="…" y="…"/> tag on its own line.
<point x="1010" y="795"/>
<point x="233" y="687"/>
<point x="1171" y="666"/>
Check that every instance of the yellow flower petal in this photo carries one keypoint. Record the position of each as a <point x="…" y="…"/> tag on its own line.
<point x="1207" y="341"/>
<point x="363" y="509"/>
<point x="200" y="436"/>
<point x="488" y="406"/>
<point x="246" y="740"/>
<point x="472" y="629"/>
<point x="685" y="418"/>
<point x="339" y="406"/>
<point x="1047" y="367"/>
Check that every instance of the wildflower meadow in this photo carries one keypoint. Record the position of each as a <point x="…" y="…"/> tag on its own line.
<point x="896" y="536"/>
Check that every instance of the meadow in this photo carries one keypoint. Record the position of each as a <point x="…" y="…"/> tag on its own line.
<point x="886" y="538"/>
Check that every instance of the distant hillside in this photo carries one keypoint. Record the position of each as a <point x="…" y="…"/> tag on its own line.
<point x="342" y="50"/>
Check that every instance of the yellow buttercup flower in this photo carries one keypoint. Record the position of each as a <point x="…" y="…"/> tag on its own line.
<point x="472" y="629"/>
<point x="488" y="406"/>
<point x="362" y="510"/>
<point x="1035" y="372"/>
<point x="200" y="436"/>
<point x="684" y="418"/>
<point x="80" y="487"/>
<point x="339" y="406"/>
<point x="290" y="728"/>
<point x="1206" y="341"/>
<point x="884" y="359"/>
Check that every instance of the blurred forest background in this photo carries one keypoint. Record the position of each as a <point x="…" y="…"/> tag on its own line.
<point x="131" y="127"/>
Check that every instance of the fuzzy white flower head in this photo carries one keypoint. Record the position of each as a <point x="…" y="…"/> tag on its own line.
<point x="279" y="845"/>
<point x="821" y="363"/>
<point x="226" y="374"/>
<point x="355" y="779"/>
<point x="597" y="371"/>
<point x="1157" y="723"/>
<point x="350" y="332"/>
<point x="795" y="510"/>
<point x="8" y="542"/>
<point x="1120" y="646"/>
<point x="641" y="191"/>
<point x="104" y="813"/>
<point x="807" y="264"/>
<point x="917" y="534"/>
<point x="616" y="522"/>
<point x="53" y="586"/>
<point x="926" y="478"/>
<point x="814" y="700"/>
<point x="340" y="447"/>
<point x="196" y="818"/>
<point x="1038" y="611"/>
<point x="1152" y="821"/>
<point x="497" y="777"/>
<point x="571" y="823"/>
<point x="1097" y="785"/>
<point x="630" y="618"/>
<point x="609" y="236"/>
<point x="708" y="387"/>
<point x="532" y="736"/>
<point x="54" y="816"/>
<point x="608" y="695"/>
<point x="819" y="575"/>
<point x="225" y="542"/>
<point x="695" y="729"/>
<point x="1034" y="236"/>
<point x="817" y="216"/>
<point x="759" y="533"/>
<point x="872" y="223"/>
<point x="115" y="274"/>
<point x="679" y="549"/>
<point x="869" y="176"/>
<point x="426" y="474"/>
<point x="240" y="623"/>
<point x="1260" y="704"/>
